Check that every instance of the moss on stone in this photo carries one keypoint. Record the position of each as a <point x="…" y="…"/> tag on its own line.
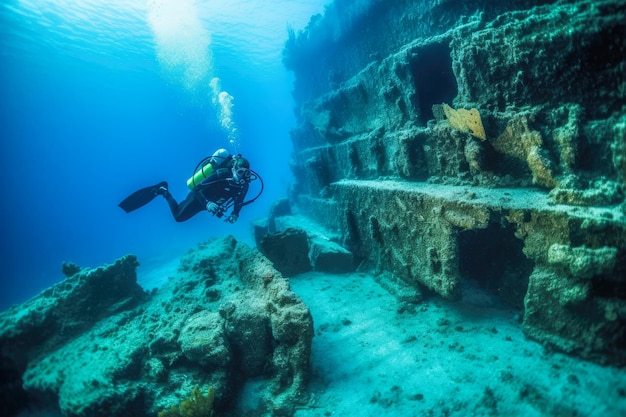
<point x="197" y="405"/>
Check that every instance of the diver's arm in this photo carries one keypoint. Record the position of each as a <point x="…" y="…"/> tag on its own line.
<point x="207" y="192"/>
<point x="238" y="201"/>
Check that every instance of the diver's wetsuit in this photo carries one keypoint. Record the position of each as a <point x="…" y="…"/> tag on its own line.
<point x="219" y="188"/>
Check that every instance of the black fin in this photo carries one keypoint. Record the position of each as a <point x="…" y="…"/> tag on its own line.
<point x="141" y="197"/>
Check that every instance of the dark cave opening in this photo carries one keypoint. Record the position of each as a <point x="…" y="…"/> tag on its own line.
<point x="433" y="79"/>
<point x="493" y="258"/>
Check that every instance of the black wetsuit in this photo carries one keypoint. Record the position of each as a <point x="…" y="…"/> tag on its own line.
<point x="220" y="188"/>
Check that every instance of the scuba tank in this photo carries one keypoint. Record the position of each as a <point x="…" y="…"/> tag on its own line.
<point x="207" y="166"/>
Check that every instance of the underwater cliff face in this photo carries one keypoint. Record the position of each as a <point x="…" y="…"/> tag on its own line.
<point x="447" y="141"/>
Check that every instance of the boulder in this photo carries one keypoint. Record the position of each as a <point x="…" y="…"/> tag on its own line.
<point x="295" y="244"/>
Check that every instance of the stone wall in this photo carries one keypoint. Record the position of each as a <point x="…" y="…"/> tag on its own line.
<point x="381" y="161"/>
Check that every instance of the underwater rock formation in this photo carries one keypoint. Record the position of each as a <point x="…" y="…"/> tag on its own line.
<point x="57" y="316"/>
<point x="96" y="344"/>
<point x="535" y="212"/>
<point x="296" y="244"/>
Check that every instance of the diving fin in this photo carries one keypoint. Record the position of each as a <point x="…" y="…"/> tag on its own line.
<point x="141" y="197"/>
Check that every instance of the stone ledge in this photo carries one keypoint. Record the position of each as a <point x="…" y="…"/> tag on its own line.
<point x="436" y="236"/>
<point x="493" y="198"/>
<point x="296" y="244"/>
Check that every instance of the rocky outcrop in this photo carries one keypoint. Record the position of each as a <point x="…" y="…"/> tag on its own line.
<point x="54" y="318"/>
<point x="296" y="244"/>
<point x="391" y="156"/>
<point x="97" y="345"/>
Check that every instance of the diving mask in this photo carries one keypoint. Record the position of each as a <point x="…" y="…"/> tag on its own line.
<point x="242" y="174"/>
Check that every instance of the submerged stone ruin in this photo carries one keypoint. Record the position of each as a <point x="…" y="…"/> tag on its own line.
<point x="443" y="141"/>
<point x="438" y="142"/>
<point x="97" y="344"/>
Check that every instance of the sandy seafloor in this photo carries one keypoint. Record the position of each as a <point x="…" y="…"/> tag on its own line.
<point x="371" y="357"/>
<point x="374" y="357"/>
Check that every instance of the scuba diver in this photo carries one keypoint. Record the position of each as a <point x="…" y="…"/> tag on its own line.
<point x="219" y="182"/>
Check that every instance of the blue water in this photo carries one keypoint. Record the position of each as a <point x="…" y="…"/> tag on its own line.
<point x="100" y="98"/>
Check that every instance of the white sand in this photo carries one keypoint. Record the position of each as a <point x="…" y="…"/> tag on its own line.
<point x="156" y="272"/>
<point x="370" y="358"/>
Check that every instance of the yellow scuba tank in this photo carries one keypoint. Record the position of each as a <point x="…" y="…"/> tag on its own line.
<point x="206" y="169"/>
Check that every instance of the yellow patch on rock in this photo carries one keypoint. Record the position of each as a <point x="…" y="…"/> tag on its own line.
<point x="465" y="120"/>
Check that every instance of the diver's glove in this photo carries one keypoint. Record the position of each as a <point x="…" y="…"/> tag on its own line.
<point x="212" y="208"/>
<point x="232" y="218"/>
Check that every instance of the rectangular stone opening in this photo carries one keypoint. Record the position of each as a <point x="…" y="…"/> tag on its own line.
<point x="433" y="79"/>
<point x="493" y="259"/>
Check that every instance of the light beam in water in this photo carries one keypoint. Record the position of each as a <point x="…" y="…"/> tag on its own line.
<point x="183" y="48"/>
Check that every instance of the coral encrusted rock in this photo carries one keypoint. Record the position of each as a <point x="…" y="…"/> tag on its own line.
<point x="97" y="345"/>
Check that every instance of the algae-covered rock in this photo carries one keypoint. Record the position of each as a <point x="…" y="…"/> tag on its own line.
<point x="430" y="195"/>
<point x="202" y="340"/>
<point x="198" y="405"/>
<point x="295" y="244"/>
<point x="525" y="144"/>
<point x="70" y="268"/>
<point x="226" y="310"/>
<point x="288" y="250"/>
<point x="600" y="192"/>
<point x="69" y="308"/>
<point x="575" y="322"/>
<point x="582" y="262"/>
<point x="249" y="332"/>
<point x="329" y="256"/>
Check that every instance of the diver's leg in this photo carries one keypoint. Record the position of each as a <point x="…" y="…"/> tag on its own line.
<point x="171" y="202"/>
<point x="187" y="208"/>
